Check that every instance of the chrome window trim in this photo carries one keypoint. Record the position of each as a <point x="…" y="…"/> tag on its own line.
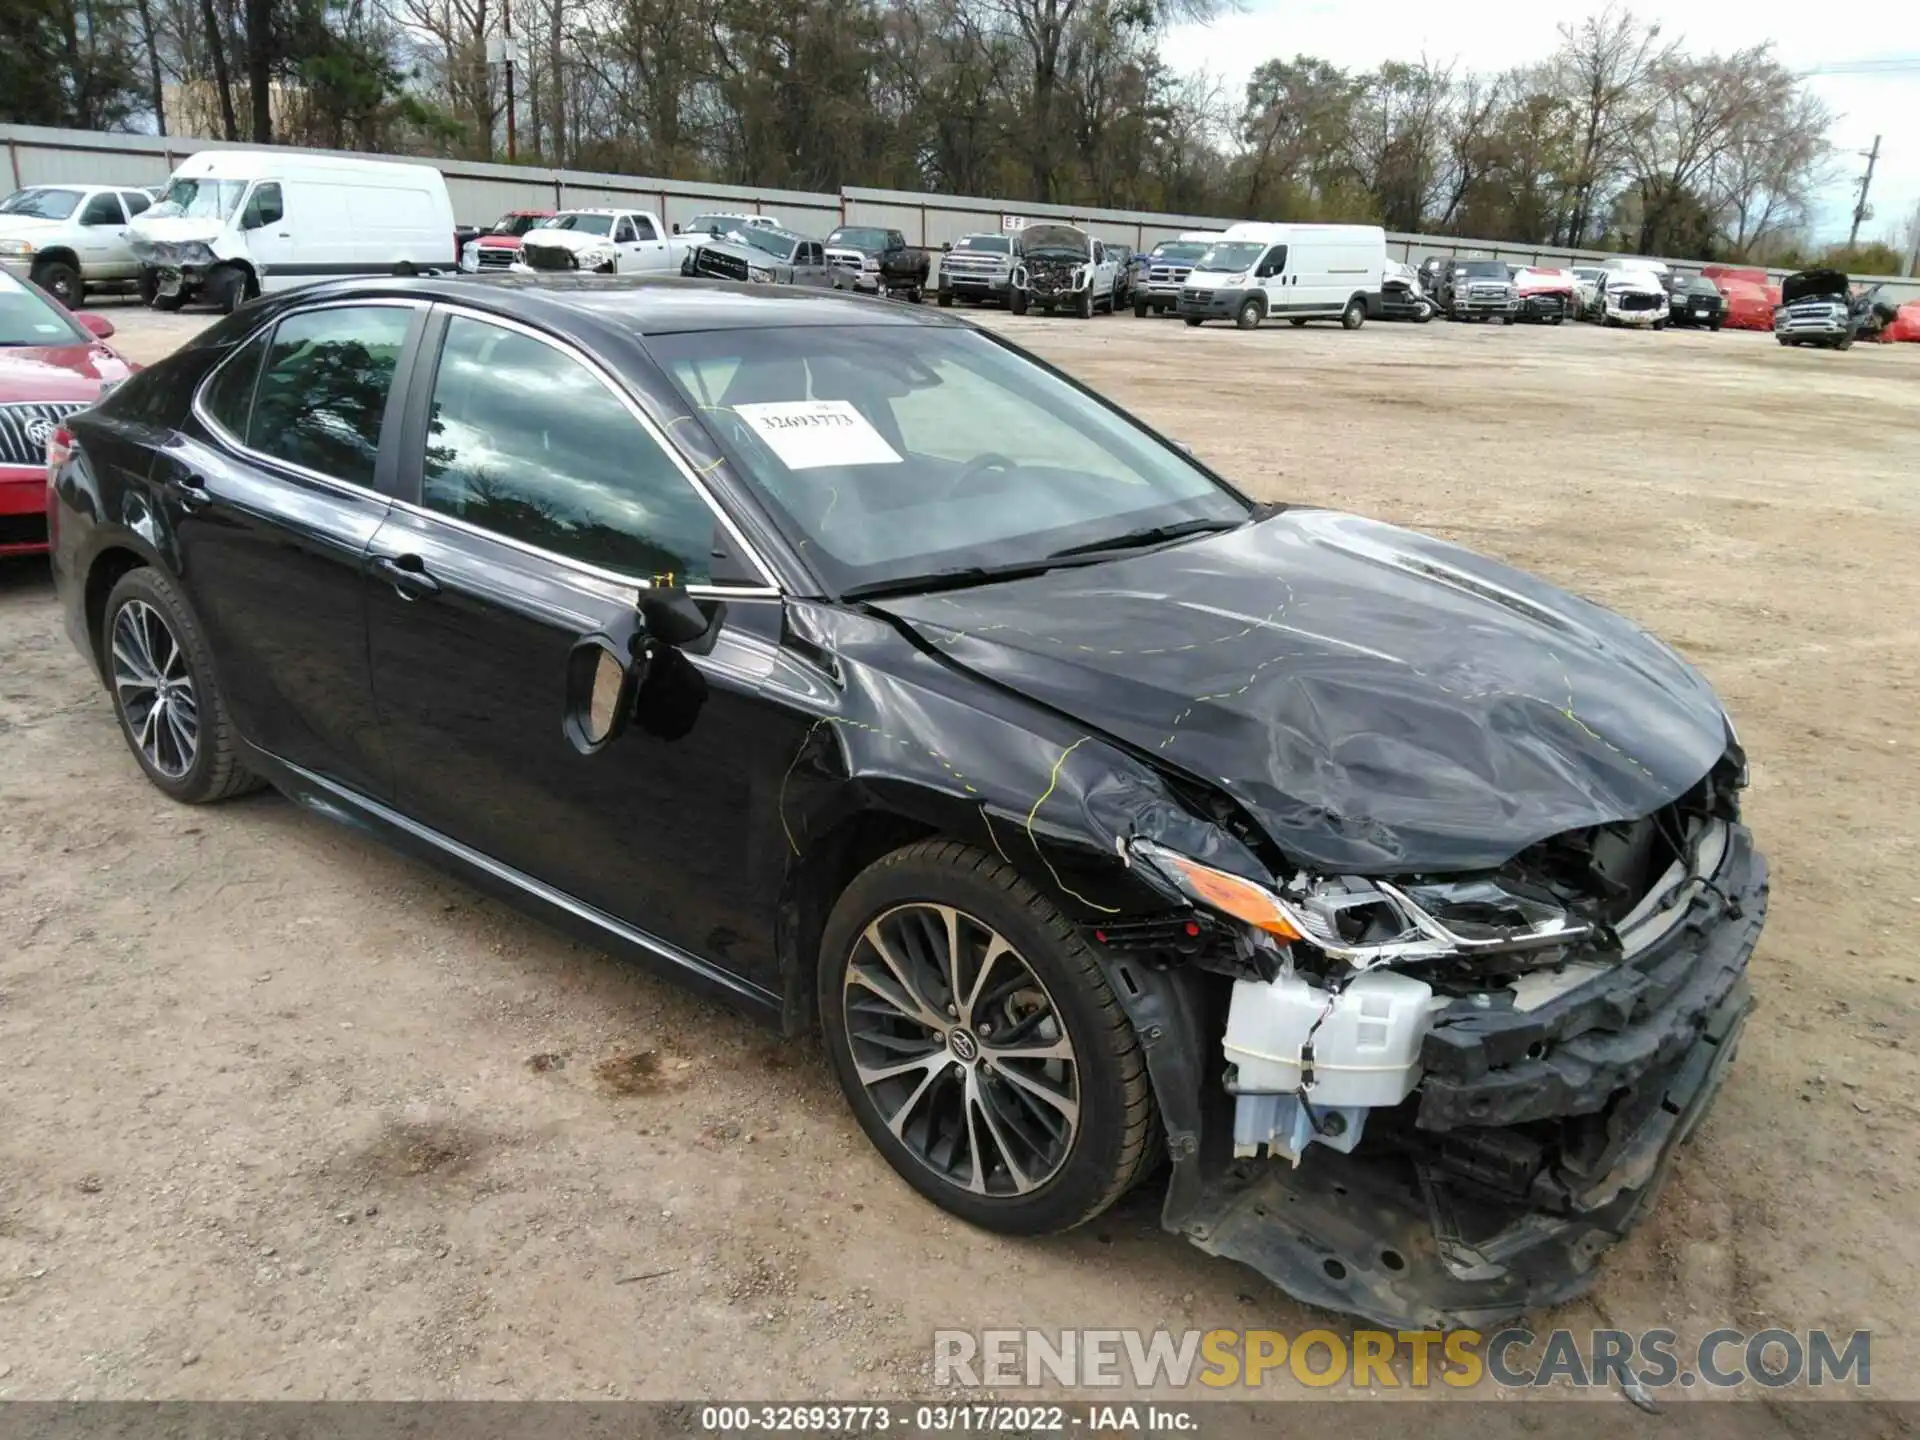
<point x="349" y="487"/>
<point x="653" y="432"/>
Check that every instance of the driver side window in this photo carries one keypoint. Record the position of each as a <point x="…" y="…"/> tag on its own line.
<point x="528" y="443"/>
<point x="1274" y="263"/>
<point x="264" y="206"/>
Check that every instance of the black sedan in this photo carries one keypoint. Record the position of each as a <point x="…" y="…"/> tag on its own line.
<point x="852" y="665"/>
<point x="1695" y="300"/>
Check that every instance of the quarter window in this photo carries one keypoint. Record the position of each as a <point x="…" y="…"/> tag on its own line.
<point x="228" y="397"/>
<point x="643" y="227"/>
<point x="528" y="443"/>
<point x="323" y="394"/>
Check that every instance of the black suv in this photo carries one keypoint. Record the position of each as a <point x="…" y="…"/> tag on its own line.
<point x="845" y="662"/>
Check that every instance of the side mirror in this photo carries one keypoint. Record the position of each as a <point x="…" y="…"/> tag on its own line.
<point x="94" y="324"/>
<point x="607" y="671"/>
<point x="676" y="227"/>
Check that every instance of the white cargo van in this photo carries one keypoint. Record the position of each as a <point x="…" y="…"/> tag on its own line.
<point x="237" y="223"/>
<point x="1301" y="272"/>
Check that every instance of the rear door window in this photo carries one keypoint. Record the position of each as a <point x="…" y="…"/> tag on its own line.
<point x="322" y="398"/>
<point x="103" y="209"/>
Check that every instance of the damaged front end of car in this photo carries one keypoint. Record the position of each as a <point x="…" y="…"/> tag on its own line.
<point x="1435" y="1101"/>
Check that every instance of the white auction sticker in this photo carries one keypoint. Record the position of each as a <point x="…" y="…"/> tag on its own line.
<point x="813" y="434"/>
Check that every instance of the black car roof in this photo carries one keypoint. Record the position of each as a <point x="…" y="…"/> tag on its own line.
<point x="638" y="305"/>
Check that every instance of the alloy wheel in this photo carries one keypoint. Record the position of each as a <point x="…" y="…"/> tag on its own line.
<point x="155" y="688"/>
<point x="961" y="1049"/>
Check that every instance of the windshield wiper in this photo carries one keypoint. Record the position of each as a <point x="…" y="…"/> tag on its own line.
<point x="950" y="579"/>
<point x="1151" y="535"/>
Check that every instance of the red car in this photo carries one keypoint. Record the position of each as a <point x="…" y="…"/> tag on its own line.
<point x="52" y="363"/>
<point x="499" y="246"/>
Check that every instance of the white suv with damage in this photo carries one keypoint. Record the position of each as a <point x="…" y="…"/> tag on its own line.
<point x="602" y="242"/>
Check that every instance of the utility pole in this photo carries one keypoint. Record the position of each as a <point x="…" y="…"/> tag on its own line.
<point x="1853" y="235"/>
<point x="506" y="22"/>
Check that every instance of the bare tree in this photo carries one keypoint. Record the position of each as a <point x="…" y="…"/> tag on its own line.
<point x="1603" y="67"/>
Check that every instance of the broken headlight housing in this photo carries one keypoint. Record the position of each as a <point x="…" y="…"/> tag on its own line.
<point x="1366" y="921"/>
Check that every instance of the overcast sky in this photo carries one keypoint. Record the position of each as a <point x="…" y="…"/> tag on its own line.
<point x="1805" y="36"/>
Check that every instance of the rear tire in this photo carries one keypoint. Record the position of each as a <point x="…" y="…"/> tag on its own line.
<point x="1070" y="1158"/>
<point x="1139" y="309"/>
<point x="165" y="694"/>
<point x="946" y="299"/>
<point x="1193" y="320"/>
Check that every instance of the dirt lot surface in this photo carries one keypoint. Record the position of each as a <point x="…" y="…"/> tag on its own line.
<point x="284" y="1115"/>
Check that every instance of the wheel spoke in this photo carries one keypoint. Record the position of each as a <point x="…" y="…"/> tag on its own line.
<point x="874" y="1074"/>
<point x="1065" y="1104"/>
<point x="977" y="1100"/>
<point x="907" y="1000"/>
<point x="898" y="1119"/>
<point x="996" y="947"/>
<point x="1054" y="1050"/>
<point x="184" y="739"/>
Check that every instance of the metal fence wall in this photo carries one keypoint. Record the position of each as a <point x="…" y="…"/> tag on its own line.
<point x="482" y="191"/>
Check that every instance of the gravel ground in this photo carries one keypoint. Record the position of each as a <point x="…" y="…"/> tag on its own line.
<point x="287" y="1116"/>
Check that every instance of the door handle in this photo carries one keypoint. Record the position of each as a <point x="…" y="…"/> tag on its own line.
<point x="407" y="574"/>
<point x="189" y="493"/>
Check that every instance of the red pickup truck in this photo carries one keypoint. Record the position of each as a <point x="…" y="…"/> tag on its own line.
<point x="498" y="246"/>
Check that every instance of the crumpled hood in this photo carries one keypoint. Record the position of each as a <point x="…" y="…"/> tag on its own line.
<point x="175" y="229"/>
<point x="1378" y="701"/>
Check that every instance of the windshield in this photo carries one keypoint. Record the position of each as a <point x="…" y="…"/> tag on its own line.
<point x="201" y="199"/>
<point x="889" y="453"/>
<point x="517" y="224"/>
<point x="772" y="241"/>
<point x="717" y="224"/>
<point x="41" y="204"/>
<point x="1701" y="286"/>
<point x="1482" y="269"/>
<point x="991" y="244"/>
<point x="26" y="319"/>
<point x="1234" y="255"/>
<point x="1179" y="250"/>
<point x="859" y="237"/>
<point x="585" y="224"/>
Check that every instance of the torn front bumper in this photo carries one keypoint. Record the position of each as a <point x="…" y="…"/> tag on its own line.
<point x="1523" y="1157"/>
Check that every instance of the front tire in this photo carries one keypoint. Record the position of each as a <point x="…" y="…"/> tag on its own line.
<point x="165" y="694"/>
<point x="1139" y="309"/>
<point x="978" y="1044"/>
<point x="1018" y="302"/>
<point x="1192" y="320"/>
<point x="1083" y="305"/>
<point x="946" y="299"/>
<point x="229" y="288"/>
<point x="1248" y="316"/>
<point x="1355" y="315"/>
<point x="61" y="281"/>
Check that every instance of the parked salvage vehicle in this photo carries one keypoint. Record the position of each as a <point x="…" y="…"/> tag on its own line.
<point x="871" y="260"/>
<point x="1817" y="308"/>
<point x="602" y="242"/>
<point x="1124" y="263"/>
<point x="760" y="254"/>
<point x="1696" y="301"/>
<point x="70" y="239"/>
<point x="1301" y="272"/>
<point x="1166" y="269"/>
<point x="52" y="364"/>
<point x="1586" y="280"/>
<point x="1063" y="268"/>
<point x="719" y="223"/>
<point x="1475" y="289"/>
<point x="498" y="246"/>
<point x="1401" y="297"/>
<point x="979" y="268"/>
<point x="1392" y="903"/>
<point x="1634" y="297"/>
<point x="1544" y="295"/>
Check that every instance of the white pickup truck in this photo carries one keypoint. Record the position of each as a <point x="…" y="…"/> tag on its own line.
<point x="602" y="242"/>
<point x="69" y="239"/>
